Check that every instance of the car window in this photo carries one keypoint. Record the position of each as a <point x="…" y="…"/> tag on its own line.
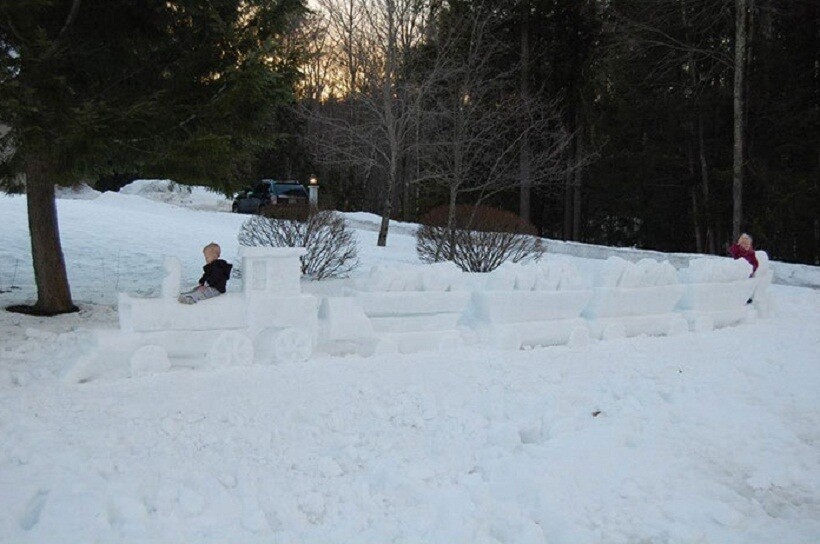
<point x="290" y="190"/>
<point x="261" y="188"/>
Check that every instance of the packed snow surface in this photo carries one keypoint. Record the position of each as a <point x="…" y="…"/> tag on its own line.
<point x="703" y="437"/>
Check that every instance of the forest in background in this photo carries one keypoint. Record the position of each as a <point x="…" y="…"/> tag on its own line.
<point x="664" y="124"/>
<point x="603" y="122"/>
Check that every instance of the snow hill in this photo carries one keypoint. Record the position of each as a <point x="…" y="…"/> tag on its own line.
<point x="704" y="437"/>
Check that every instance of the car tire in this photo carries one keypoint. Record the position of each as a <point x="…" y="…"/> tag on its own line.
<point x="235" y="207"/>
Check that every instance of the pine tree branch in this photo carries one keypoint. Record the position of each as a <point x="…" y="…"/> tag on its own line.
<point x="69" y="21"/>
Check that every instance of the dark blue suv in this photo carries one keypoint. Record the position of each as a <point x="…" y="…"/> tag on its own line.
<point x="269" y="192"/>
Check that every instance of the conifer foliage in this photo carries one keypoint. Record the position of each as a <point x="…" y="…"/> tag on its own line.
<point x="179" y="88"/>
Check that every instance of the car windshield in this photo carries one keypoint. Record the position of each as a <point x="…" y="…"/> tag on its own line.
<point x="290" y="190"/>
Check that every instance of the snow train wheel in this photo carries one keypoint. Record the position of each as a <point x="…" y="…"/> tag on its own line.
<point x="293" y="346"/>
<point x="231" y="349"/>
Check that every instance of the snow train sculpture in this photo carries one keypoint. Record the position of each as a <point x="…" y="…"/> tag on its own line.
<point x="415" y="308"/>
<point x="270" y="320"/>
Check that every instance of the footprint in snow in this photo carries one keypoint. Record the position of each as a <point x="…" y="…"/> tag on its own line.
<point x="34" y="508"/>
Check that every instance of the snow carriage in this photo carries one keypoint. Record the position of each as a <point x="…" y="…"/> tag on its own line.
<point x="270" y="320"/>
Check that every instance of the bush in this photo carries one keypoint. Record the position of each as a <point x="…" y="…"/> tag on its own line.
<point x="330" y="245"/>
<point x="298" y="211"/>
<point x="481" y="240"/>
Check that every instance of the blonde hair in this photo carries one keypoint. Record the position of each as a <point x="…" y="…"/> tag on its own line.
<point x="212" y="247"/>
<point x="744" y="235"/>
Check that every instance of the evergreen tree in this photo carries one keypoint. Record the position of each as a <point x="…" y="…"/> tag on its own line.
<point x="173" y="88"/>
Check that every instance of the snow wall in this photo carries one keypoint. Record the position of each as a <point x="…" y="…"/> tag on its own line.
<point x="798" y="275"/>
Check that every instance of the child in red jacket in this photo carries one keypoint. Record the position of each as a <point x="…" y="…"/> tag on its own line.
<point x="743" y="248"/>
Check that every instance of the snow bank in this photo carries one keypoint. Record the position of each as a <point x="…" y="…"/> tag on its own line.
<point x="76" y="192"/>
<point x="170" y="192"/>
<point x="709" y="438"/>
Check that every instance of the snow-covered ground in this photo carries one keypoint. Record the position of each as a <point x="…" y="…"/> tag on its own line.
<point x="705" y="437"/>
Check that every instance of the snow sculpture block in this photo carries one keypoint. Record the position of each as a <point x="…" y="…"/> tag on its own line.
<point x="529" y="305"/>
<point x="342" y="318"/>
<point x="764" y="275"/>
<point x="145" y="314"/>
<point x="387" y="304"/>
<point x="413" y="308"/>
<point x="271" y="271"/>
<point x="618" y="302"/>
<point x="556" y="332"/>
<point x="416" y="323"/>
<point x="714" y="297"/>
<point x="631" y="299"/>
<point x="270" y="319"/>
<point x="665" y="324"/>
<point x="717" y="292"/>
<point x="440" y="276"/>
<point x="171" y="281"/>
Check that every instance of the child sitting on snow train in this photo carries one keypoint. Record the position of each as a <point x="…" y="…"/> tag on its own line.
<point x="216" y="273"/>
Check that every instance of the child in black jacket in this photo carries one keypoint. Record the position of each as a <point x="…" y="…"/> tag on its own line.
<point x="216" y="273"/>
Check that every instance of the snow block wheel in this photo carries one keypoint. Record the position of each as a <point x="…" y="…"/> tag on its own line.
<point x="231" y="349"/>
<point x="293" y="346"/>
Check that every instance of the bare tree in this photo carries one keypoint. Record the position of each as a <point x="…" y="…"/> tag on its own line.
<point x="330" y="246"/>
<point x="476" y="124"/>
<point x="371" y="126"/>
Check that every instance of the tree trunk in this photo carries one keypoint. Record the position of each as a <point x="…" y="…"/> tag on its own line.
<point x="704" y="178"/>
<point x="741" y="15"/>
<point x="690" y="155"/>
<point x="524" y="165"/>
<point x="696" y="222"/>
<point x="576" y="189"/>
<point x="388" y="89"/>
<point x="53" y="292"/>
<point x="568" y="181"/>
<point x="451" y="222"/>
<point x="387" y="210"/>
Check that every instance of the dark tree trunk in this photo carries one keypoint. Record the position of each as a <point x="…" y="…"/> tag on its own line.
<point x="53" y="292"/>
<point x="524" y="165"/>
<point x="579" y="178"/>
<point x="704" y="178"/>
<point x="387" y="211"/>
<point x="451" y="222"/>
<point x="739" y="158"/>
<point x="568" y="183"/>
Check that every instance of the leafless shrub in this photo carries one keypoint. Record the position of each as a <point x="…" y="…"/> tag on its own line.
<point x="480" y="239"/>
<point x="331" y="249"/>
